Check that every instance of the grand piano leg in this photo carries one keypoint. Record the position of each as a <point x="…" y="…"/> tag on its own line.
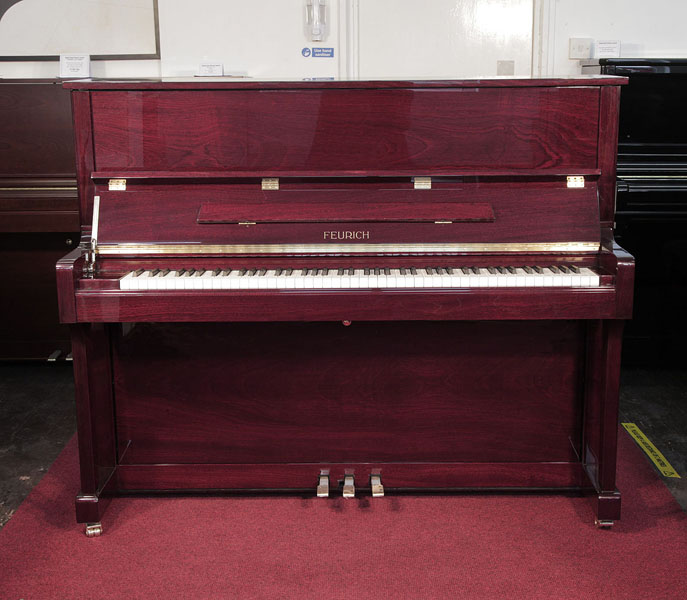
<point x="94" y="410"/>
<point x="604" y="339"/>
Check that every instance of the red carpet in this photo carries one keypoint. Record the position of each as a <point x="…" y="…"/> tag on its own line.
<point x="396" y="547"/>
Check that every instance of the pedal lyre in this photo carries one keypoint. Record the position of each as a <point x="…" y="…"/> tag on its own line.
<point x="376" y="485"/>
<point x="348" y="487"/>
<point x="323" y="486"/>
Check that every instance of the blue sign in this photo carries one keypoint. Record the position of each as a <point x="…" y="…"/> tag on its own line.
<point x="323" y="52"/>
<point x="305" y="52"/>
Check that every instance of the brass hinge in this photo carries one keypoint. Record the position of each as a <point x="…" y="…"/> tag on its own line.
<point x="422" y="183"/>
<point x="442" y="222"/>
<point x="116" y="185"/>
<point x="270" y="183"/>
<point x="247" y="223"/>
<point x="575" y="181"/>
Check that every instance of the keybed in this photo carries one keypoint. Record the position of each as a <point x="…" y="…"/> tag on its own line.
<point x="360" y="278"/>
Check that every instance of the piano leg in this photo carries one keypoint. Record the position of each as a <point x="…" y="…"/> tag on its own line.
<point x="600" y="436"/>
<point x="94" y="410"/>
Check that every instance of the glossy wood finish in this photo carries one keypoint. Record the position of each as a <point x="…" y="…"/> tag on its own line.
<point x="195" y="84"/>
<point x="39" y="218"/>
<point x="335" y="132"/>
<point x="369" y="392"/>
<point x="435" y="389"/>
<point x="506" y="213"/>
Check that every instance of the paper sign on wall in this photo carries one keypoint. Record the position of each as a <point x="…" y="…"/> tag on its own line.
<point x="75" y="65"/>
<point x="608" y="49"/>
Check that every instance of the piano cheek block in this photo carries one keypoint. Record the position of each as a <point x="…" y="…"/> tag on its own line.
<point x="485" y="290"/>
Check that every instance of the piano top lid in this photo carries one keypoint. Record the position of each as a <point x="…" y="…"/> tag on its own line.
<point x="211" y="83"/>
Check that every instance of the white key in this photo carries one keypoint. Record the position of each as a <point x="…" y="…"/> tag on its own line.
<point x="125" y="282"/>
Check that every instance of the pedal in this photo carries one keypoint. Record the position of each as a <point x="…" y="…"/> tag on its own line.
<point x="348" y="487"/>
<point x="323" y="486"/>
<point x="376" y="485"/>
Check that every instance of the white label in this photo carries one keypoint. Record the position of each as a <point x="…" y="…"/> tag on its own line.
<point x="75" y="65"/>
<point x="608" y="49"/>
<point x="210" y="69"/>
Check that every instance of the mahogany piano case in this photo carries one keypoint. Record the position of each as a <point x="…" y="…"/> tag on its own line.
<point x="346" y="287"/>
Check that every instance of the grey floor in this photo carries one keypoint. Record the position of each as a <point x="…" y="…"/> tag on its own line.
<point x="37" y="419"/>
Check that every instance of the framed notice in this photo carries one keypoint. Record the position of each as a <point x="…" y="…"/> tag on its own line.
<point x="105" y="29"/>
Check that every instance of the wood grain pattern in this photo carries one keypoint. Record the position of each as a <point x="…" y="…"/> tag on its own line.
<point x="523" y="212"/>
<point x="416" y="477"/>
<point x="423" y="132"/>
<point x="371" y="392"/>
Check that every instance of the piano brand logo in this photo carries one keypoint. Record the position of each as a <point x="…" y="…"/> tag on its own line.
<point x="346" y="235"/>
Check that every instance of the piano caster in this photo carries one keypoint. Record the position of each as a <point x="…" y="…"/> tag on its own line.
<point x="348" y="487"/>
<point x="93" y="529"/>
<point x="376" y="486"/>
<point x="604" y="523"/>
<point x="323" y="486"/>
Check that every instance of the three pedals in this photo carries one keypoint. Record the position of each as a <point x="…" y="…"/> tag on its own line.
<point x="349" y="486"/>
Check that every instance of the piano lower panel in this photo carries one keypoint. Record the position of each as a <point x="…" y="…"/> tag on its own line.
<point x="111" y="306"/>
<point x="303" y="477"/>
<point x="469" y="392"/>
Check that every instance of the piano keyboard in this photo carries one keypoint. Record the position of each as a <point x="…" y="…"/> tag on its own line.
<point x="366" y="278"/>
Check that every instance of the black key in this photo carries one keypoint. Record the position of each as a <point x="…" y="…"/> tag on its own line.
<point x="554" y="269"/>
<point x="262" y="272"/>
<point x="429" y="270"/>
<point x="191" y="272"/>
<point x="289" y="272"/>
<point x="340" y="272"/>
<point x="492" y="270"/>
<point x="277" y="272"/>
<point x="387" y="271"/>
<point x="181" y="272"/>
<point x="475" y="270"/>
<point x="528" y="269"/>
<point x="501" y="270"/>
<point x="439" y="271"/>
<point x="200" y="272"/>
<point x="563" y="269"/>
<point x="573" y="268"/>
<point x="165" y="273"/>
<point x="449" y="270"/>
<point x="538" y="269"/>
<point x="351" y="272"/>
<point x="139" y="272"/>
<point x="250" y="272"/>
<point x="466" y="270"/>
<point x="155" y="272"/>
<point x="242" y="272"/>
<point x="216" y="272"/>
<point x="226" y="272"/>
<point x="402" y="271"/>
<point x="413" y="271"/>
<point x="378" y="272"/>
<point x="366" y="271"/>
<point x="511" y="269"/>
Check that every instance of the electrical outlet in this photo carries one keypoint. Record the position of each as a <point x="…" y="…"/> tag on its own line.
<point x="580" y="48"/>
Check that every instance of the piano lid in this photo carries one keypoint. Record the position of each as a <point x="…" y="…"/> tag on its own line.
<point x="217" y="219"/>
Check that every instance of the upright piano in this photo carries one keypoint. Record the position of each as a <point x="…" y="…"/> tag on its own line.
<point x="346" y="287"/>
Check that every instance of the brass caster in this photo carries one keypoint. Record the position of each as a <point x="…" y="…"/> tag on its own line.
<point x="604" y="523"/>
<point x="94" y="529"/>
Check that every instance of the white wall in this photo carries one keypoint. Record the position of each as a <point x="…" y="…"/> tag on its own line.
<point x="443" y="38"/>
<point x="263" y="39"/>
<point x="655" y="28"/>
<point x="394" y="38"/>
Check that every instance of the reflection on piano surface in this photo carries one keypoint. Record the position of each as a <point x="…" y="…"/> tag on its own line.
<point x="459" y="231"/>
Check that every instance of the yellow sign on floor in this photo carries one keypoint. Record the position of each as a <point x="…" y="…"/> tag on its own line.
<point x="652" y="452"/>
